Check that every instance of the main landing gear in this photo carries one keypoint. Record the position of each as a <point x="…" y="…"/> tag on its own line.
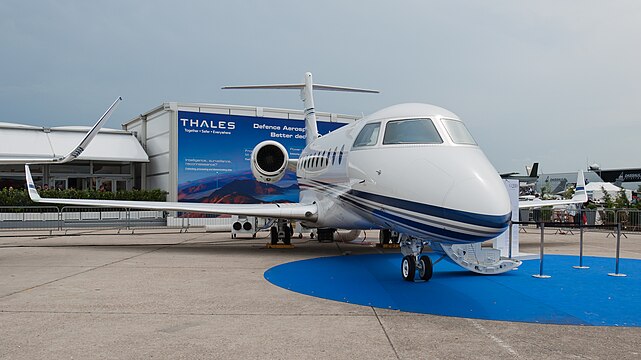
<point x="412" y="248"/>
<point x="281" y="231"/>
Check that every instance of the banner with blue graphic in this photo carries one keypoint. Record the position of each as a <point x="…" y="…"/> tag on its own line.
<point x="214" y="151"/>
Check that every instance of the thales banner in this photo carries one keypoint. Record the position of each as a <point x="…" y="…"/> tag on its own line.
<point x="214" y="151"/>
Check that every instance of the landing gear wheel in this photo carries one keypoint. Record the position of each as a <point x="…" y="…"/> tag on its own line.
<point x="408" y="267"/>
<point x="273" y="233"/>
<point x="287" y="239"/>
<point x="425" y="268"/>
<point x="384" y="236"/>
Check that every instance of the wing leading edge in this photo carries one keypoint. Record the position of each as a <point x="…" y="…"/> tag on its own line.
<point x="282" y="211"/>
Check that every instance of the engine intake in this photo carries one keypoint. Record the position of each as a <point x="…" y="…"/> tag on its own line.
<point x="269" y="161"/>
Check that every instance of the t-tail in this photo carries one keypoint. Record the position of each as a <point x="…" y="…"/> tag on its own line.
<point x="307" y="96"/>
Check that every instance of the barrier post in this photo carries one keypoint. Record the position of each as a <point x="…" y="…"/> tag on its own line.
<point x="510" y="240"/>
<point x="581" y="244"/>
<point x="616" y="269"/>
<point x="540" y="274"/>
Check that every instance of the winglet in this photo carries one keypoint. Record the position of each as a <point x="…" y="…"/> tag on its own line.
<point x="31" y="187"/>
<point x="76" y="151"/>
<point x="580" y="194"/>
<point x="90" y="135"/>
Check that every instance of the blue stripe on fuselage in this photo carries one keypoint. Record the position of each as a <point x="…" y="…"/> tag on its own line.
<point x="451" y="235"/>
<point x="491" y="221"/>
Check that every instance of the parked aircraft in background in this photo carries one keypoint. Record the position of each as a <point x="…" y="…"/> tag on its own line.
<point x="531" y="171"/>
<point x="410" y="168"/>
<point x="526" y="182"/>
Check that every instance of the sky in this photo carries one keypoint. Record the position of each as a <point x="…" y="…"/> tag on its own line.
<point x="558" y="82"/>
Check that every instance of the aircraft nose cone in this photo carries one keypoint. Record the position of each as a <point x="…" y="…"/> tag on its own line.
<point x="484" y="197"/>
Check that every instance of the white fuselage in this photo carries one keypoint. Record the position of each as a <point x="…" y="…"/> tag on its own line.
<point x="447" y="191"/>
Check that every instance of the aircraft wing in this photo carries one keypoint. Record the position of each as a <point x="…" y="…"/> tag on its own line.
<point x="281" y="211"/>
<point x="580" y="196"/>
<point x="75" y="152"/>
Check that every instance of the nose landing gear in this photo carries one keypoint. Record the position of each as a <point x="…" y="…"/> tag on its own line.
<point x="413" y="261"/>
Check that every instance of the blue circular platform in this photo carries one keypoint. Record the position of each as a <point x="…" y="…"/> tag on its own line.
<point x="570" y="296"/>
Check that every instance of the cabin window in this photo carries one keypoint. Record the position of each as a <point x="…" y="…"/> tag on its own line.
<point x="368" y="135"/>
<point x="411" y="131"/>
<point x="458" y="132"/>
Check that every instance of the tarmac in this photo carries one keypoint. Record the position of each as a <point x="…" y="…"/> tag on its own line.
<point x="163" y="294"/>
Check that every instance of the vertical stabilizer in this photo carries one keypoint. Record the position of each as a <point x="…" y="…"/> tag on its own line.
<point x="306" y="94"/>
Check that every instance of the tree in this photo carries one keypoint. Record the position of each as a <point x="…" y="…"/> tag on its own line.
<point x="546" y="190"/>
<point x="607" y="198"/>
<point x="569" y="192"/>
<point x="622" y="201"/>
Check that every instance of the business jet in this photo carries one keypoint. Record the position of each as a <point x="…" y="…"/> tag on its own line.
<point x="409" y="168"/>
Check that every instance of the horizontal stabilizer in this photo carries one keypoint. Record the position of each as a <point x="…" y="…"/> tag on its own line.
<point x="301" y="86"/>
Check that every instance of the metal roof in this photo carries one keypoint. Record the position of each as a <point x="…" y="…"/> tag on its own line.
<point x="17" y="140"/>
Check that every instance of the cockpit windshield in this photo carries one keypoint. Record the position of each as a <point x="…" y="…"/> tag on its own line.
<point x="458" y="132"/>
<point x="368" y="135"/>
<point x="411" y="131"/>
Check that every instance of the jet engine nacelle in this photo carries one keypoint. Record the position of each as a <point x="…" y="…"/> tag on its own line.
<point x="269" y="161"/>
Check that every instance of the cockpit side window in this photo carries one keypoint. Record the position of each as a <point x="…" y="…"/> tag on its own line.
<point x="411" y="131"/>
<point x="368" y="135"/>
<point x="458" y="132"/>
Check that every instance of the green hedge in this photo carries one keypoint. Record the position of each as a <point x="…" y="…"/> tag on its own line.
<point x="20" y="197"/>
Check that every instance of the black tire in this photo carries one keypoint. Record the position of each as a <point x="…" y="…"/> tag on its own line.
<point x="384" y="236"/>
<point x="408" y="268"/>
<point x="273" y="233"/>
<point x="287" y="240"/>
<point x="395" y="239"/>
<point x="426" y="269"/>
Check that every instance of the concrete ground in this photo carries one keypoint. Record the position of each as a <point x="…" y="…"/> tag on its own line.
<point x="163" y="294"/>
